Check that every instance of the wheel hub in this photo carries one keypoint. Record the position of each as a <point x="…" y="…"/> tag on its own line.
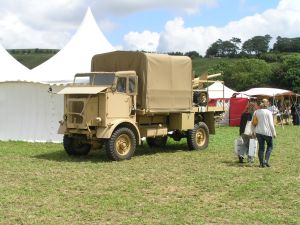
<point x="123" y="144"/>
<point x="200" y="137"/>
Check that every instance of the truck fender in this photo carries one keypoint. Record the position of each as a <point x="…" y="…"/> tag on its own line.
<point x="106" y="132"/>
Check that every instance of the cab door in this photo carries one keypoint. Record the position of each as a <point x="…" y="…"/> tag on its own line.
<point x="122" y="102"/>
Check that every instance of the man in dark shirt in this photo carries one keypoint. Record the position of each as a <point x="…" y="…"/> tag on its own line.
<point x="246" y="116"/>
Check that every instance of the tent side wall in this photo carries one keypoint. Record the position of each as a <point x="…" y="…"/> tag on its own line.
<point x="165" y="82"/>
<point x="29" y="113"/>
<point x="237" y="107"/>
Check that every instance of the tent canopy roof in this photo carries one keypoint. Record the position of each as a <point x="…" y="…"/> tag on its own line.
<point x="74" y="58"/>
<point x="11" y="69"/>
<point x="270" y="92"/>
<point x="216" y="91"/>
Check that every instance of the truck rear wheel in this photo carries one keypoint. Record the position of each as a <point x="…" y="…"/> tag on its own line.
<point x="159" y="142"/>
<point x="121" y="145"/>
<point x="198" y="137"/>
<point x="76" y="145"/>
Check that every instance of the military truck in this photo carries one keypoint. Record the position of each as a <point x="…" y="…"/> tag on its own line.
<point x="130" y="96"/>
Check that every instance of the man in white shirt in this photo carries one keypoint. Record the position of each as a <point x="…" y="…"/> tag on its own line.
<point x="265" y="132"/>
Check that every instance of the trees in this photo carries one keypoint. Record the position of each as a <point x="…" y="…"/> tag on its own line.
<point x="175" y="53"/>
<point x="224" y="48"/>
<point x="257" y="45"/>
<point x="192" y="54"/>
<point x="287" y="74"/>
<point x="287" y="44"/>
<point x="214" y="49"/>
<point x="264" y="69"/>
<point x="243" y="74"/>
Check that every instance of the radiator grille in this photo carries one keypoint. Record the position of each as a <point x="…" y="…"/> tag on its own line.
<point x="75" y="110"/>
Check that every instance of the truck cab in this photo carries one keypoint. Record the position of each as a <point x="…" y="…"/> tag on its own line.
<point x="94" y="106"/>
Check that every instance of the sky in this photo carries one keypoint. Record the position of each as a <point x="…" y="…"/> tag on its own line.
<point x="150" y="25"/>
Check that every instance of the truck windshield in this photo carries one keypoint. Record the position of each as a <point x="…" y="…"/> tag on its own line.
<point x="82" y="80"/>
<point x="99" y="79"/>
<point x="104" y="79"/>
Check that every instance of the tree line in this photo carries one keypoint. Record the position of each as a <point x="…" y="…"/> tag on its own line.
<point x="258" y="65"/>
<point x="254" y="46"/>
<point x="33" y="51"/>
<point x="245" y="73"/>
<point x="254" y="63"/>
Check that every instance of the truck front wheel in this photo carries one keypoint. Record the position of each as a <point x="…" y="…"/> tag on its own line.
<point x="198" y="137"/>
<point x="76" y="145"/>
<point x="121" y="145"/>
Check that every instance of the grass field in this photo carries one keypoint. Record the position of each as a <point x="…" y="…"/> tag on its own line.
<point x="40" y="184"/>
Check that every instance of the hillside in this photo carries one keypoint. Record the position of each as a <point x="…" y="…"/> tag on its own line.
<point x="32" y="58"/>
<point x="277" y="70"/>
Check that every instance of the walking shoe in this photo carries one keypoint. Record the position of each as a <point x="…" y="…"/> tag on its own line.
<point x="262" y="165"/>
<point x="241" y="159"/>
<point x="268" y="165"/>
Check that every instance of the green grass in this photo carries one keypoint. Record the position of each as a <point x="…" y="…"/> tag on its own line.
<point x="40" y="184"/>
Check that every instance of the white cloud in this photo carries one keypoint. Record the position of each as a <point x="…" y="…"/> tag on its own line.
<point x="283" y="20"/>
<point x="147" y="41"/>
<point x="50" y="24"/>
<point x="30" y="38"/>
<point x="35" y="24"/>
<point x="125" y="7"/>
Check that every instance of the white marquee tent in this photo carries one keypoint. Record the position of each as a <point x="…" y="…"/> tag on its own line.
<point x="76" y="56"/>
<point x="219" y="94"/>
<point x="270" y="92"/>
<point x="10" y="68"/>
<point x="219" y="91"/>
<point x="28" y="111"/>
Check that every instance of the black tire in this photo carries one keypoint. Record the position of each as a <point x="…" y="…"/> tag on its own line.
<point x="157" y="142"/>
<point x="198" y="137"/>
<point x="121" y="145"/>
<point x="76" y="145"/>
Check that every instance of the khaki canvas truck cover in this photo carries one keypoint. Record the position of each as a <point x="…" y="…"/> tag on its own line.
<point x="165" y="82"/>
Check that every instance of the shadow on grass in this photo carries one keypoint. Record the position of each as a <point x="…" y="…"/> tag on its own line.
<point x="237" y="164"/>
<point x="169" y="148"/>
<point x="62" y="156"/>
<point x="99" y="155"/>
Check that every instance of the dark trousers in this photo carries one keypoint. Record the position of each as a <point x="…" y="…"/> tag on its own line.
<point x="264" y="157"/>
<point x="295" y="119"/>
